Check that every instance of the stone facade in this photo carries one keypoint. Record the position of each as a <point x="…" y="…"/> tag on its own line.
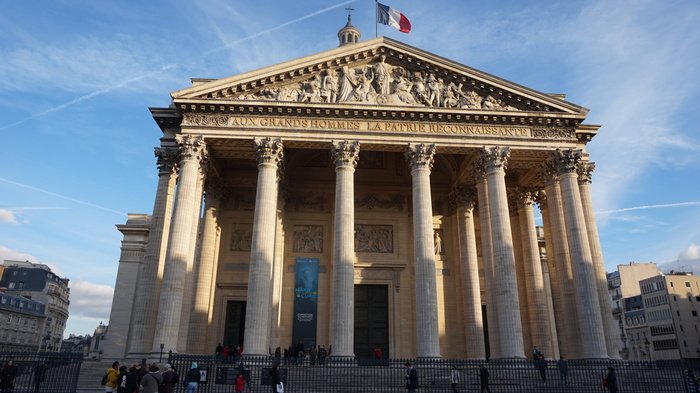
<point x="392" y="167"/>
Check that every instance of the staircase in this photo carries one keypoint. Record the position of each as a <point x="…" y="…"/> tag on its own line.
<point x="91" y="373"/>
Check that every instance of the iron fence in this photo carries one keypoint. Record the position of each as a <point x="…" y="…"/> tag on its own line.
<point x="387" y="375"/>
<point x="60" y="370"/>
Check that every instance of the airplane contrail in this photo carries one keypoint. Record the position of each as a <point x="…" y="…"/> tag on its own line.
<point x="169" y="66"/>
<point x="645" y="207"/>
<point x="63" y="197"/>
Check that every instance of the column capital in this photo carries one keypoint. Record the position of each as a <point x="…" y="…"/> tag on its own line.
<point x="462" y="196"/>
<point x="167" y="159"/>
<point x="268" y="150"/>
<point x="420" y="156"/>
<point x="345" y="153"/>
<point x="548" y="173"/>
<point x="192" y="147"/>
<point x="565" y="161"/>
<point x="585" y="171"/>
<point x="541" y="198"/>
<point x="495" y="157"/>
<point x="526" y="197"/>
<point x="215" y="187"/>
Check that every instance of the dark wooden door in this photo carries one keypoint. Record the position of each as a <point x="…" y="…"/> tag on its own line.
<point x="234" y="326"/>
<point x="371" y="321"/>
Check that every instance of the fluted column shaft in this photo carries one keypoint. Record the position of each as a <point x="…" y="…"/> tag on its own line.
<point x="469" y="267"/>
<point x="588" y="310"/>
<point x="148" y="288"/>
<point x="345" y="155"/>
<point x="179" y="255"/>
<point x="420" y="158"/>
<point x="257" y="323"/>
<point x="555" y="301"/>
<point x="538" y="312"/>
<point x="585" y="171"/>
<point x="487" y="262"/>
<point x="205" y="272"/>
<point x="509" y="322"/>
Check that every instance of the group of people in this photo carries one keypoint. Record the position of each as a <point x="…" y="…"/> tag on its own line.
<point x="297" y="354"/>
<point x="9" y="373"/>
<point x="148" y="378"/>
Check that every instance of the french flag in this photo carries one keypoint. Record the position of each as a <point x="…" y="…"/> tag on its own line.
<point x="392" y="17"/>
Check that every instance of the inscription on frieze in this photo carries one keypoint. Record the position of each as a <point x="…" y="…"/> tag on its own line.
<point x="374" y="238"/>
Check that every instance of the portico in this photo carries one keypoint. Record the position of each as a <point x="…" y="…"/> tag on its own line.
<point x="313" y="163"/>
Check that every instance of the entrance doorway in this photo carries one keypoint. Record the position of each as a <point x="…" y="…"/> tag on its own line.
<point x="371" y="321"/>
<point x="234" y="325"/>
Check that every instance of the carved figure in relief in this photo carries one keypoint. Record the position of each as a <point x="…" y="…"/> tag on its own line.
<point x="329" y="87"/>
<point x="450" y="100"/>
<point x="364" y="90"/>
<point x="311" y="90"/>
<point x="382" y="75"/>
<point x="347" y="84"/>
<point x="433" y="91"/>
<point x="471" y="100"/>
<point x="403" y="89"/>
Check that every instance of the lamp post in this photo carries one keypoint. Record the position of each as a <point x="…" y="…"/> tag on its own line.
<point x="160" y="360"/>
<point x="646" y="345"/>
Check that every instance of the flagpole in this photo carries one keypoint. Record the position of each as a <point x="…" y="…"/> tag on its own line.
<point x="376" y="17"/>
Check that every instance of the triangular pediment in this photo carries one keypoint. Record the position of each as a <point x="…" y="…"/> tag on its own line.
<point x="380" y="72"/>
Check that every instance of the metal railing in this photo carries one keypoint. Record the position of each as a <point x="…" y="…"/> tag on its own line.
<point x="387" y="375"/>
<point x="60" y="370"/>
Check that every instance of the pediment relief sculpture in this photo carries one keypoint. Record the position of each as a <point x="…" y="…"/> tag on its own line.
<point x="381" y="83"/>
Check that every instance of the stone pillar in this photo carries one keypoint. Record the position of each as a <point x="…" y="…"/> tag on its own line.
<point x="345" y="155"/>
<point x="270" y="153"/>
<point x="487" y="259"/>
<point x="148" y="290"/>
<point x="464" y="200"/>
<point x="195" y="244"/>
<point x="509" y="323"/>
<point x="590" y="321"/>
<point x="519" y="267"/>
<point x="538" y="311"/>
<point x="420" y="158"/>
<point x="179" y="255"/>
<point x="585" y="171"/>
<point x="567" y="329"/>
<point x="205" y="270"/>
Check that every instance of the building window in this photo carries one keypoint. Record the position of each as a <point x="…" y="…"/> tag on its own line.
<point x="687" y="284"/>
<point x="675" y="299"/>
<point x="671" y="284"/>
<point x="695" y="313"/>
<point x="681" y="327"/>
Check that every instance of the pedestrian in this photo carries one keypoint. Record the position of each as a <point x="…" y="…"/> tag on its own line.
<point x="152" y="379"/>
<point x="276" y="380"/>
<point x="112" y="378"/>
<point x="132" y="379"/>
<point x="484" y="378"/>
<point x="541" y="366"/>
<point x="611" y="380"/>
<point x="192" y="378"/>
<point x="239" y="385"/>
<point x="39" y="375"/>
<point x="170" y="379"/>
<point x="121" y="380"/>
<point x="411" y="377"/>
<point x="563" y="371"/>
<point x="7" y="377"/>
<point x="219" y="349"/>
<point x="536" y="354"/>
<point x="455" y="378"/>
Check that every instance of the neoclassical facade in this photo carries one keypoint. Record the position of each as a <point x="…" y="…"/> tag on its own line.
<point x="372" y="196"/>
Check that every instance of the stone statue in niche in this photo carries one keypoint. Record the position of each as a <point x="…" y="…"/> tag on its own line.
<point x="241" y="237"/>
<point x="308" y="238"/>
<point x="438" y="243"/>
<point x="382" y="83"/>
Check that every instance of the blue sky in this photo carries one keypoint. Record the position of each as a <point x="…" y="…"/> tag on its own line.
<point x="77" y="78"/>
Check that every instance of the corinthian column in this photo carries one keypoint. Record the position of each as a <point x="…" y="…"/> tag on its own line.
<point x="147" y="292"/>
<point x="487" y="259"/>
<point x="465" y="199"/>
<point x="589" y="318"/>
<point x="179" y="255"/>
<point x="509" y="323"/>
<point x="538" y="311"/>
<point x="345" y="156"/>
<point x="257" y="317"/>
<point x="585" y="171"/>
<point x="420" y="157"/>
<point x="205" y="269"/>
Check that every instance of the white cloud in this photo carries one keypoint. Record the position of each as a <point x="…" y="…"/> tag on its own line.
<point x="690" y="253"/>
<point x="14" y="255"/>
<point x="7" y="216"/>
<point x="89" y="300"/>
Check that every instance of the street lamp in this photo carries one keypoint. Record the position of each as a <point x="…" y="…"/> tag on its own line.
<point x="160" y="360"/>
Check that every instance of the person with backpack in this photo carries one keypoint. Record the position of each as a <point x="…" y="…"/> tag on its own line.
<point x="111" y="378"/>
<point x="192" y="378"/>
<point x="170" y="380"/>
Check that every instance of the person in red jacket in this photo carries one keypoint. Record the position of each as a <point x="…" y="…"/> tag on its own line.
<point x="239" y="385"/>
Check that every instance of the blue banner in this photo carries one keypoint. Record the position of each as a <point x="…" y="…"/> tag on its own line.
<point x="305" y="301"/>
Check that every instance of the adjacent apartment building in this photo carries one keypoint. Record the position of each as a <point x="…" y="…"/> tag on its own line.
<point x="671" y="302"/>
<point x="27" y="288"/>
